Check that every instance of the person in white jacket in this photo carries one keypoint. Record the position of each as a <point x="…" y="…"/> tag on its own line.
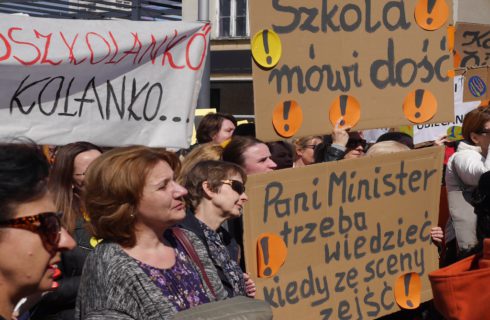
<point x="464" y="169"/>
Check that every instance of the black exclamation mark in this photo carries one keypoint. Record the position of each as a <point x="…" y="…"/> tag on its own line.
<point x="430" y="6"/>
<point x="264" y="243"/>
<point x="406" y="280"/>
<point x="419" y="97"/>
<point x="265" y="37"/>
<point x="343" y="107"/>
<point x="285" y="113"/>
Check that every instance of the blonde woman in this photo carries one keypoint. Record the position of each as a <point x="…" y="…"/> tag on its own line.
<point x="305" y="150"/>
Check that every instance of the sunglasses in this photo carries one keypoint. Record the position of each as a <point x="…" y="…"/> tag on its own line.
<point x="354" y="143"/>
<point x="46" y="224"/>
<point x="311" y="146"/>
<point x="236" y="185"/>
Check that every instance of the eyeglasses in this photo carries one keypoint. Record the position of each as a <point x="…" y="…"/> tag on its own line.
<point x="354" y="143"/>
<point x="46" y="224"/>
<point x="311" y="146"/>
<point x="236" y="185"/>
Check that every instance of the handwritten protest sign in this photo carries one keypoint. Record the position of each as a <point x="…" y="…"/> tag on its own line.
<point x="472" y="44"/>
<point x="380" y="63"/>
<point x="109" y="82"/>
<point x="430" y="132"/>
<point x="351" y="228"/>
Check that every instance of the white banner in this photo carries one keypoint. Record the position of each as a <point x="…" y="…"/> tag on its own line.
<point x="430" y="132"/>
<point x="112" y="83"/>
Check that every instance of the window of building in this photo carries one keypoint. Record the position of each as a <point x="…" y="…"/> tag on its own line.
<point x="232" y="19"/>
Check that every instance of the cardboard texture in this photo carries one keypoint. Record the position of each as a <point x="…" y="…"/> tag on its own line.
<point x="476" y="82"/>
<point x="472" y="44"/>
<point x="352" y="228"/>
<point x="373" y="51"/>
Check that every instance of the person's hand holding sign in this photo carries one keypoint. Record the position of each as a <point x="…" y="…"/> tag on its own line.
<point x="340" y="136"/>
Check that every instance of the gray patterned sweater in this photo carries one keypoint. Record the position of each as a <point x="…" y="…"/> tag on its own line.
<point x="113" y="286"/>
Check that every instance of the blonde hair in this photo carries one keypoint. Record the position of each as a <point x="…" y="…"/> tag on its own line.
<point x="207" y="151"/>
<point x="301" y="143"/>
<point x="386" y="147"/>
<point x="114" y="185"/>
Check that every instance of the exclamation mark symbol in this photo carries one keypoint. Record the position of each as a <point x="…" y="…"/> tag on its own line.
<point x="264" y="243"/>
<point x="430" y="7"/>
<point x="285" y="113"/>
<point x="419" y="97"/>
<point x="406" y="280"/>
<point x="265" y="37"/>
<point x="343" y="107"/>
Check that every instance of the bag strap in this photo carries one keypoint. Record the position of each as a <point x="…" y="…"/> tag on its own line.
<point x="189" y="248"/>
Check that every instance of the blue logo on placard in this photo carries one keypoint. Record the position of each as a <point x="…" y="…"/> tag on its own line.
<point x="477" y="86"/>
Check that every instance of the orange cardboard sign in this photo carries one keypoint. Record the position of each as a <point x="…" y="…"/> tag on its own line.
<point x="271" y="254"/>
<point x="431" y="14"/>
<point x="407" y="290"/>
<point x="288" y="118"/>
<point x="420" y="106"/>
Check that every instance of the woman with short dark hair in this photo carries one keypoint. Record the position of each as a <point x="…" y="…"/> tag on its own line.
<point x="140" y="270"/>
<point x="215" y="127"/>
<point x="250" y="153"/>
<point x="31" y="235"/>
<point x="216" y="193"/>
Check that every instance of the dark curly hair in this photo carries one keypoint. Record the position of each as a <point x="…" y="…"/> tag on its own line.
<point x="23" y="175"/>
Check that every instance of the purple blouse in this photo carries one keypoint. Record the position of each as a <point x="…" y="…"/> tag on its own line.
<point x="181" y="284"/>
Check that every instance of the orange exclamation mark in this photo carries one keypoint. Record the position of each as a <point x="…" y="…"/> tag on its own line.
<point x="264" y="243"/>
<point x="265" y="38"/>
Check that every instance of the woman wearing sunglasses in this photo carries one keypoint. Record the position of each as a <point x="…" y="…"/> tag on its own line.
<point x="31" y="235"/>
<point x="463" y="171"/>
<point x="66" y="184"/>
<point x="216" y="193"/>
<point x="140" y="270"/>
<point x="305" y="150"/>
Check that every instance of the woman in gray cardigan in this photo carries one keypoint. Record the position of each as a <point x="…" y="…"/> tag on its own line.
<point x="140" y="270"/>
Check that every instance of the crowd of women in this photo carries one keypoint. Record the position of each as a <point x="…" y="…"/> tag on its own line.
<point x="145" y="234"/>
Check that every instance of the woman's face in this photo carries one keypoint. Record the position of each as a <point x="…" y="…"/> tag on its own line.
<point x="482" y="138"/>
<point x="32" y="262"/>
<point x="229" y="201"/>
<point x="80" y="166"/>
<point x="225" y="132"/>
<point x="161" y="203"/>
<point x="257" y="159"/>
<point x="307" y="152"/>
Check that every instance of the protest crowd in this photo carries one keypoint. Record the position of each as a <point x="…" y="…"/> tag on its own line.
<point x="239" y="225"/>
<point x="111" y="227"/>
